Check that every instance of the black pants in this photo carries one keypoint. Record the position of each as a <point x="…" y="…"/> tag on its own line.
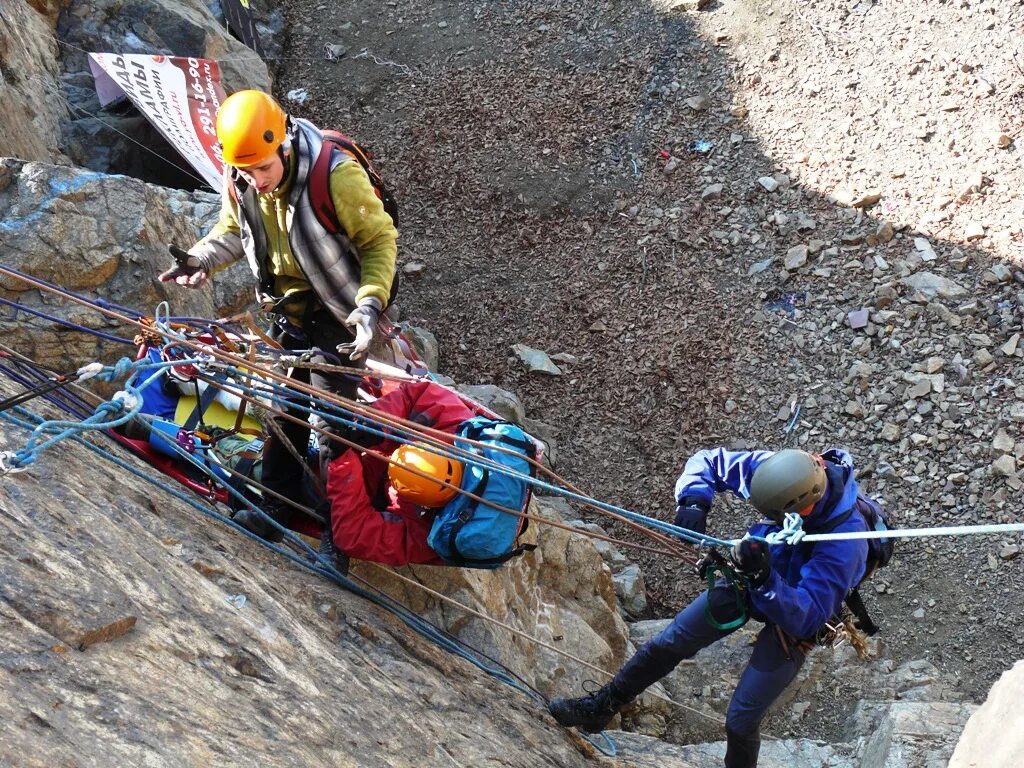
<point x="281" y="472"/>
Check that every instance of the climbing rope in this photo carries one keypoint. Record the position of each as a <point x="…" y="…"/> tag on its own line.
<point x="163" y="321"/>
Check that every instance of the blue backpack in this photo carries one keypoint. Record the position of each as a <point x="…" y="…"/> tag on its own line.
<point x="469" y="534"/>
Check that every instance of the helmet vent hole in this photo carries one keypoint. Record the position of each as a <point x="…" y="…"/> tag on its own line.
<point x="268" y="136"/>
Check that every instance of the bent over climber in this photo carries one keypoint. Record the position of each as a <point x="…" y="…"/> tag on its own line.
<point x="325" y="288"/>
<point x="382" y="512"/>
<point x="794" y="590"/>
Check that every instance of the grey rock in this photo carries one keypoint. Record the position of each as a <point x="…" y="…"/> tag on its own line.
<point x="1002" y="443"/>
<point x="425" y="344"/>
<point x="857" y="319"/>
<point x="768" y="183"/>
<point x="114" y="225"/>
<point x="890" y="432"/>
<point x="631" y="590"/>
<point x="712" y="191"/>
<point x="32" y="117"/>
<point x="144" y="584"/>
<point x="699" y="103"/>
<point x="994" y="736"/>
<point x="932" y="285"/>
<point x="504" y="403"/>
<point x="1004" y="466"/>
<point x="547" y="434"/>
<point x="796" y="257"/>
<point x="908" y="733"/>
<point x="1009" y="551"/>
<point x="536" y="360"/>
<point x="760" y="266"/>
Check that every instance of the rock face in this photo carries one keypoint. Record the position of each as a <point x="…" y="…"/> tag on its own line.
<point x="39" y="126"/>
<point x="31" y="119"/>
<point x="137" y="632"/>
<point x="994" y="736"/>
<point x="562" y="594"/>
<point x="100" y="236"/>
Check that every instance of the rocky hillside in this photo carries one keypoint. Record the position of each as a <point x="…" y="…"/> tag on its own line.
<point x="759" y="223"/>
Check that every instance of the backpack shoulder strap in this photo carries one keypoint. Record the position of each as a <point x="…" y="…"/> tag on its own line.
<point x="319" y="185"/>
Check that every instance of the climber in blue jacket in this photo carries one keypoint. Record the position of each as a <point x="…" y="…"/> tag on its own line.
<point x="794" y="590"/>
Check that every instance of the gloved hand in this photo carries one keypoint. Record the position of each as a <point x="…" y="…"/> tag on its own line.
<point x="187" y="270"/>
<point x="752" y="559"/>
<point x="692" y="514"/>
<point x="363" y="320"/>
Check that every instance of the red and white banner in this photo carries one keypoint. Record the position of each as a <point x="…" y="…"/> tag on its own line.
<point x="179" y="96"/>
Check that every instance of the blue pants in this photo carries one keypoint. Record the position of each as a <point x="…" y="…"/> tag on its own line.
<point x="767" y="674"/>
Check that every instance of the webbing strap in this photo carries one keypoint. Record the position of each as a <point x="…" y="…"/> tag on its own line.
<point x="204" y="401"/>
<point x="856" y="605"/>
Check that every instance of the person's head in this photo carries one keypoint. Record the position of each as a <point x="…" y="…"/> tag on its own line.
<point x="788" y="481"/>
<point x="409" y="465"/>
<point x="252" y="131"/>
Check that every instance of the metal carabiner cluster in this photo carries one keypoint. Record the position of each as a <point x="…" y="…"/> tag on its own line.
<point x="6" y="465"/>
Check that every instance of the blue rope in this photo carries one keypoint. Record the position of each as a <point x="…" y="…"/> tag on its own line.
<point x="608" y="750"/>
<point x="332" y="412"/>
<point x="107" y="415"/>
<point x="66" y="323"/>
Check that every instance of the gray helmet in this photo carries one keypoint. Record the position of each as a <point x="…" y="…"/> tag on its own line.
<point x="786" y="482"/>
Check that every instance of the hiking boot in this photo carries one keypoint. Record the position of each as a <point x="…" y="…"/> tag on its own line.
<point x="330" y="553"/>
<point x="253" y="521"/>
<point x="590" y="713"/>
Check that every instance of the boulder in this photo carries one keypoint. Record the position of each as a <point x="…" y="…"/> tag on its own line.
<point x="128" y="611"/>
<point x="504" y="403"/>
<point x="562" y="593"/>
<point x="994" y="734"/>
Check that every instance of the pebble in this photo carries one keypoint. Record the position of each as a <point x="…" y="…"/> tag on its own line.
<point x="1002" y="140"/>
<point x="866" y="200"/>
<point x="711" y="191"/>
<point x="1004" y="466"/>
<point x="768" y="183"/>
<point x="974" y="231"/>
<point x="796" y="257"/>
<point x="698" y="103"/>
<point x="1010" y="347"/>
<point x="890" y="432"/>
<point x="858" y="318"/>
<point x="1009" y="551"/>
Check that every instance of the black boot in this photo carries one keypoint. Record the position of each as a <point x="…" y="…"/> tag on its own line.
<point x="590" y="713"/>
<point x="253" y="521"/>
<point x="741" y="751"/>
<point x="329" y="552"/>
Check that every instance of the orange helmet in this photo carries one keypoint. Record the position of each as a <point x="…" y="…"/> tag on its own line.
<point x="424" y="491"/>
<point x="250" y="128"/>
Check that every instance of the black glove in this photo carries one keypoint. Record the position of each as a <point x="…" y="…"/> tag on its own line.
<point x="187" y="269"/>
<point x="752" y="559"/>
<point x="692" y="514"/>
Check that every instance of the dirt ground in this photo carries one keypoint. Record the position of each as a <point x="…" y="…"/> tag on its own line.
<point x="691" y="204"/>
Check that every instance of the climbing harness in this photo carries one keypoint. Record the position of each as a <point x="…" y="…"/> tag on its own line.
<point x="716" y="571"/>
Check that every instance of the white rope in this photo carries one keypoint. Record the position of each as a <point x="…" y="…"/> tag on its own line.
<point x="914" y="533"/>
<point x="792" y="531"/>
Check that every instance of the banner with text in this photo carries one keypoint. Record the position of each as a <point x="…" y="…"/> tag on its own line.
<point x="178" y="95"/>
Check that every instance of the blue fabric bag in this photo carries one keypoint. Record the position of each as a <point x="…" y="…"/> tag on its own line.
<point x="469" y="534"/>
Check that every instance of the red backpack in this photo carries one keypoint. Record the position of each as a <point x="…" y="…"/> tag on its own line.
<point x="319" y="186"/>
